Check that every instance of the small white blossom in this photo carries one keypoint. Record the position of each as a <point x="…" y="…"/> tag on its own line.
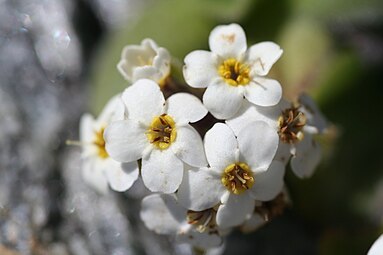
<point x="241" y="171"/>
<point x="158" y="132"/>
<point x="377" y="247"/>
<point x="98" y="168"/>
<point x="145" y="61"/>
<point x="296" y="126"/>
<point x="163" y="214"/>
<point x="231" y="72"/>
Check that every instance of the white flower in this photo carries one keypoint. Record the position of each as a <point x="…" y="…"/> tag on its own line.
<point x="145" y="61"/>
<point x="158" y="132"/>
<point x="377" y="247"/>
<point x="231" y="72"/>
<point x="296" y="125"/>
<point x="241" y="171"/>
<point x="98" y="168"/>
<point x="164" y="215"/>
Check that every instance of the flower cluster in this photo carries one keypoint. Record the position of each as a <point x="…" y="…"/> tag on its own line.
<point x="234" y="176"/>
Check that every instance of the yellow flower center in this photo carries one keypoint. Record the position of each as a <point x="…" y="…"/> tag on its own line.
<point x="237" y="178"/>
<point x="234" y="72"/>
<point x="162" y="131"/>
<point x="291" y="123"/>
<point x="203" y="221"/>
<point x="100" y="143"/>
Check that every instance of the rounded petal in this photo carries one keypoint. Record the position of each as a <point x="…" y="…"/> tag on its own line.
<point x="235" y="211"/>
<point x="200" y="189"/>
<point x="228" y="41"/>
<point x="314" y="116"/>
<point x="283" y="153"/>
<point x="162" y="214"/>
<point x="144" y="101"/>
<point x="112" y="111"/>
<point x="377" y="247"/>
<point x="93" y="175"/>
<point x="262" y="56"/>
<point x="185" y="107"/>
<point x="162" y="171"/>
<point x="258" y="143"/>
<point x="220" y="146"/>
<point x="263" y="92"/>
<point x="268" y="184"/>
<point x="200" y="69"/>
<point x="222" y="100"/>
<point x="121" y="176"/>
<point x="125" y="140"/>
<point x="146" y="72"/>
<point x="252" y="224"/>
<point x="203" y="240"/>
<point x="250" y="113"/>
<point x="86" y="128"/>
<point x="188" y="147"/>
<point x="162" y="62"/>
<point x="307" y="157"/>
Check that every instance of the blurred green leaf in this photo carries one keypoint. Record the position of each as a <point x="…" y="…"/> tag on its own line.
<point x="306" y="47"/>
<point x="339" y="9"/>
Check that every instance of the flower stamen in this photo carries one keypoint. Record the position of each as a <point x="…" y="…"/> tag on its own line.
<point x="162" y="131"/>
<point x="202" y="220"/>
<point x="237" y="178"/>
<point x="291" y="123"/>
<point x="234" y="72"/>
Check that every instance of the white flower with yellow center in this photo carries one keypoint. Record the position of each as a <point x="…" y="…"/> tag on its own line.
<point x="163" y="214"/>
<point x="241" y="171"/>
<point x="158" y="131"/>
<point x="231" y="72"/>
<point x="296" y="125"/>
<point x="145" y="61"/>
<point x="377" y="247"/>
<point x="98" y="168"/>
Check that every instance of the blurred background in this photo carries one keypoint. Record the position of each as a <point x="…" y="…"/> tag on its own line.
<point x="58" y="60"/>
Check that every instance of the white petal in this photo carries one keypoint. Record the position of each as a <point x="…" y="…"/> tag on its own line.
<point x="283" y="153"/>
<point x="377" y="247"/>
<point x="86" y="128"/>
<point x="258" y="143"/>
<point x="200" y="69"/>
<point x="112" y="109"/>
<point x="220" y="146"/>
<point x="146" y="72"/>
<point x="235" y="211"/>
<point x="121" y="176"/>
<point x="162" y="171"/>
<point x="228" y="41"/>
<point x="314" y="117"/>
<point x="307" y="158"/>
<point x="253" y="223"/>
<point x="93" y="175"/>
<point x="268" y="184"/>
<point x="262" y="56"/>
<point x="223" y="100"/>
<point x="162" y="214"/>
<point x="201" y="240"/>
<point x="125" y="140"/>
<point x="200" y="189"/>
<point x="263" y="92"/>
<point x="183" y="106"/>
<point x="144" y="100"/>
<point x="188" y="147"/>
<point x="250" y="113"/>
